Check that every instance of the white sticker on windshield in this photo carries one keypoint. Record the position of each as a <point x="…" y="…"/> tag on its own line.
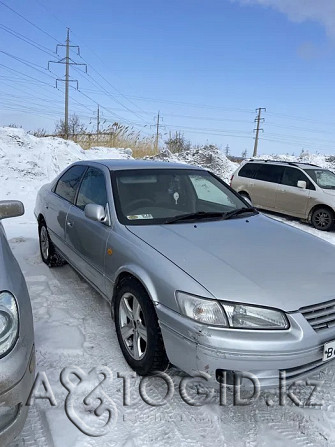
<point x="140" y="216"/>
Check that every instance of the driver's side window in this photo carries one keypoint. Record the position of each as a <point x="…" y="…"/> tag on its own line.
<point x="92" y="189"/>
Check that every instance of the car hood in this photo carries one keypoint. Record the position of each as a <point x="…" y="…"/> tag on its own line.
<point x="256" y="260"/>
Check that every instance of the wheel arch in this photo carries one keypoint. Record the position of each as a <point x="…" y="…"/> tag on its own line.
<point x="317" y="206"/>
<point x="244" y="193"/>
<point x="40" y="219"/>
<point x="140" y="276"/>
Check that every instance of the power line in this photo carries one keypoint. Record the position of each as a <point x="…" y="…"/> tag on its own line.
<point x="26" y="39"/>
<point x="27" y="20"/>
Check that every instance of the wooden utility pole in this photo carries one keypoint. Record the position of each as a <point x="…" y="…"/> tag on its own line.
<point x="258" y="120"/>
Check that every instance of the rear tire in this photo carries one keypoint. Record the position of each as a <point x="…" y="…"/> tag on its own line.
<point x="49" y="255"/>
<point x="323" y="219"/>
<point x="137" y="329"/>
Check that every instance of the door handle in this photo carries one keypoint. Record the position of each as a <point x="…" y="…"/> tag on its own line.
<point x="69" y="224"/>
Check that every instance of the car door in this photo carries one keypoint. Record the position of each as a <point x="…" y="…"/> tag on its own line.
<point x="291" y="199"/>
<point x="86" y="238"/>
<point x="58" y="203"/>
<point x="265" y="186"/>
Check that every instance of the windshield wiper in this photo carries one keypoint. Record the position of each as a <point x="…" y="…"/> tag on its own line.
<point x="194" y="216"/>
<point x="239" y="211"/>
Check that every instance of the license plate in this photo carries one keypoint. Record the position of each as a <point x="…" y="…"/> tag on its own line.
<point x="328" y="351"/>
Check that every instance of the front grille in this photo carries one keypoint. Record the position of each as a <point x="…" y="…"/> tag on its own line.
<point x="296" y="372"/>
<point x="320" y="316"/>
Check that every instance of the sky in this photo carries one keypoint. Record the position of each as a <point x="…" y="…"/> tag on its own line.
<point x="206" y="66"/>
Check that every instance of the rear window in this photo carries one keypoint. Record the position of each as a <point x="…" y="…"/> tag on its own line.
<point x="265" y="172"/>
<point x="248" y="170"/>
<point x="67" y="185"/>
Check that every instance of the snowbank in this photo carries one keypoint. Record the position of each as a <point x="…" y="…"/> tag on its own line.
<point x="208" y="157"/>
<point x="27" y="162"/>
<point x="324" y="161"/>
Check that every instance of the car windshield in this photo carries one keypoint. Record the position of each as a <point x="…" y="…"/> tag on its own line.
<point x="159" y="196"/>
<point x="324" y="178"/>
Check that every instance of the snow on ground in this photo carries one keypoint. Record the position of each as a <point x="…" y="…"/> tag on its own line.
<point x="74" y="329"/>
<point x="27" y="162"/>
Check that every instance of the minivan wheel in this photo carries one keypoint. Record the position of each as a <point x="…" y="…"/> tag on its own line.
<point x="47" y="249"/>
<point x="138" y="330"/>
<point x="323" y="219"/>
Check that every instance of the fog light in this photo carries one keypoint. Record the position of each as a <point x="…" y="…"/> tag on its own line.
<point x="8" y="416"/>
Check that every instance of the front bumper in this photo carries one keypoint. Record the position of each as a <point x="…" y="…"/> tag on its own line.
<point x="195" y="348"/>
<point x="14" y="400"/>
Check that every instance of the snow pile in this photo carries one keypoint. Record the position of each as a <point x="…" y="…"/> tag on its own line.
<point x="324" y="161"/>
<point x="28" y="162"/>
<point x="208" y="157"/>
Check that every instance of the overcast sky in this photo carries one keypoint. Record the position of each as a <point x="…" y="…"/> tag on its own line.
<point x="205" y="64"/>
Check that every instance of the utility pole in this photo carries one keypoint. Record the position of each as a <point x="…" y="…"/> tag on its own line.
<point x="98" y="120"/>
<point x="67" y="61"/>
<point x="67" y="77"/>
<point x="258" y="120"/>
<point x="227" y="150"/>
<point x="157" y="132"/>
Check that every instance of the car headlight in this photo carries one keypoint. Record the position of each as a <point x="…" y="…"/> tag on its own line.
<point x="243" y="316"/>
<point x="9" y="322"/>
<point x="230" y="315"/>
<point x="202" y="310"/>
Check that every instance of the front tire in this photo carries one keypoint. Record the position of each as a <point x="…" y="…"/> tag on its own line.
<point x="323" y="219"/>
<point x="137" y="329"/>
<point x="47" y="249"/>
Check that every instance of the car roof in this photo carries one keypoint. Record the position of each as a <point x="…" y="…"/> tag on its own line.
<point x="297" y="164"/>
<point x="119" y="165"/>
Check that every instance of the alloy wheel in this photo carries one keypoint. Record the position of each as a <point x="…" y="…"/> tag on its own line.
<point x="132" y="326"/>
<point x="44" y="241"/>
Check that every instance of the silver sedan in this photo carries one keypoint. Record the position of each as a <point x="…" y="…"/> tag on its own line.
<point x="17" y="353"/>
<point x="194" y="274"/>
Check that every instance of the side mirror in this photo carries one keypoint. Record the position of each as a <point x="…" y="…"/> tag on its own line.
<point x="95" y="212"/>
<point x="11" y="208"/>
<point x="302" y="184"/>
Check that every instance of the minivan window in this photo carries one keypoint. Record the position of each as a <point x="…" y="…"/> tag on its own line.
<point x="92" y="189"/>
<point x="248" y="170"/>
<point x="269" y="173"/>
<point x="292" y="176"/>
<point x="322" y="177"/>
<point x="67" y="185"/>
<point x="265" y="172"/>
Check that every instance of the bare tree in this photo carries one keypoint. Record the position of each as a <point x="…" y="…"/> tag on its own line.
<point x="177" y="143"/>
<point x="40" y="132"/>
<point x="75" y="126"/>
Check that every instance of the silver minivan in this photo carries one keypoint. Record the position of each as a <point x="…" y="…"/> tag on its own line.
<point x="297" y="189"/>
